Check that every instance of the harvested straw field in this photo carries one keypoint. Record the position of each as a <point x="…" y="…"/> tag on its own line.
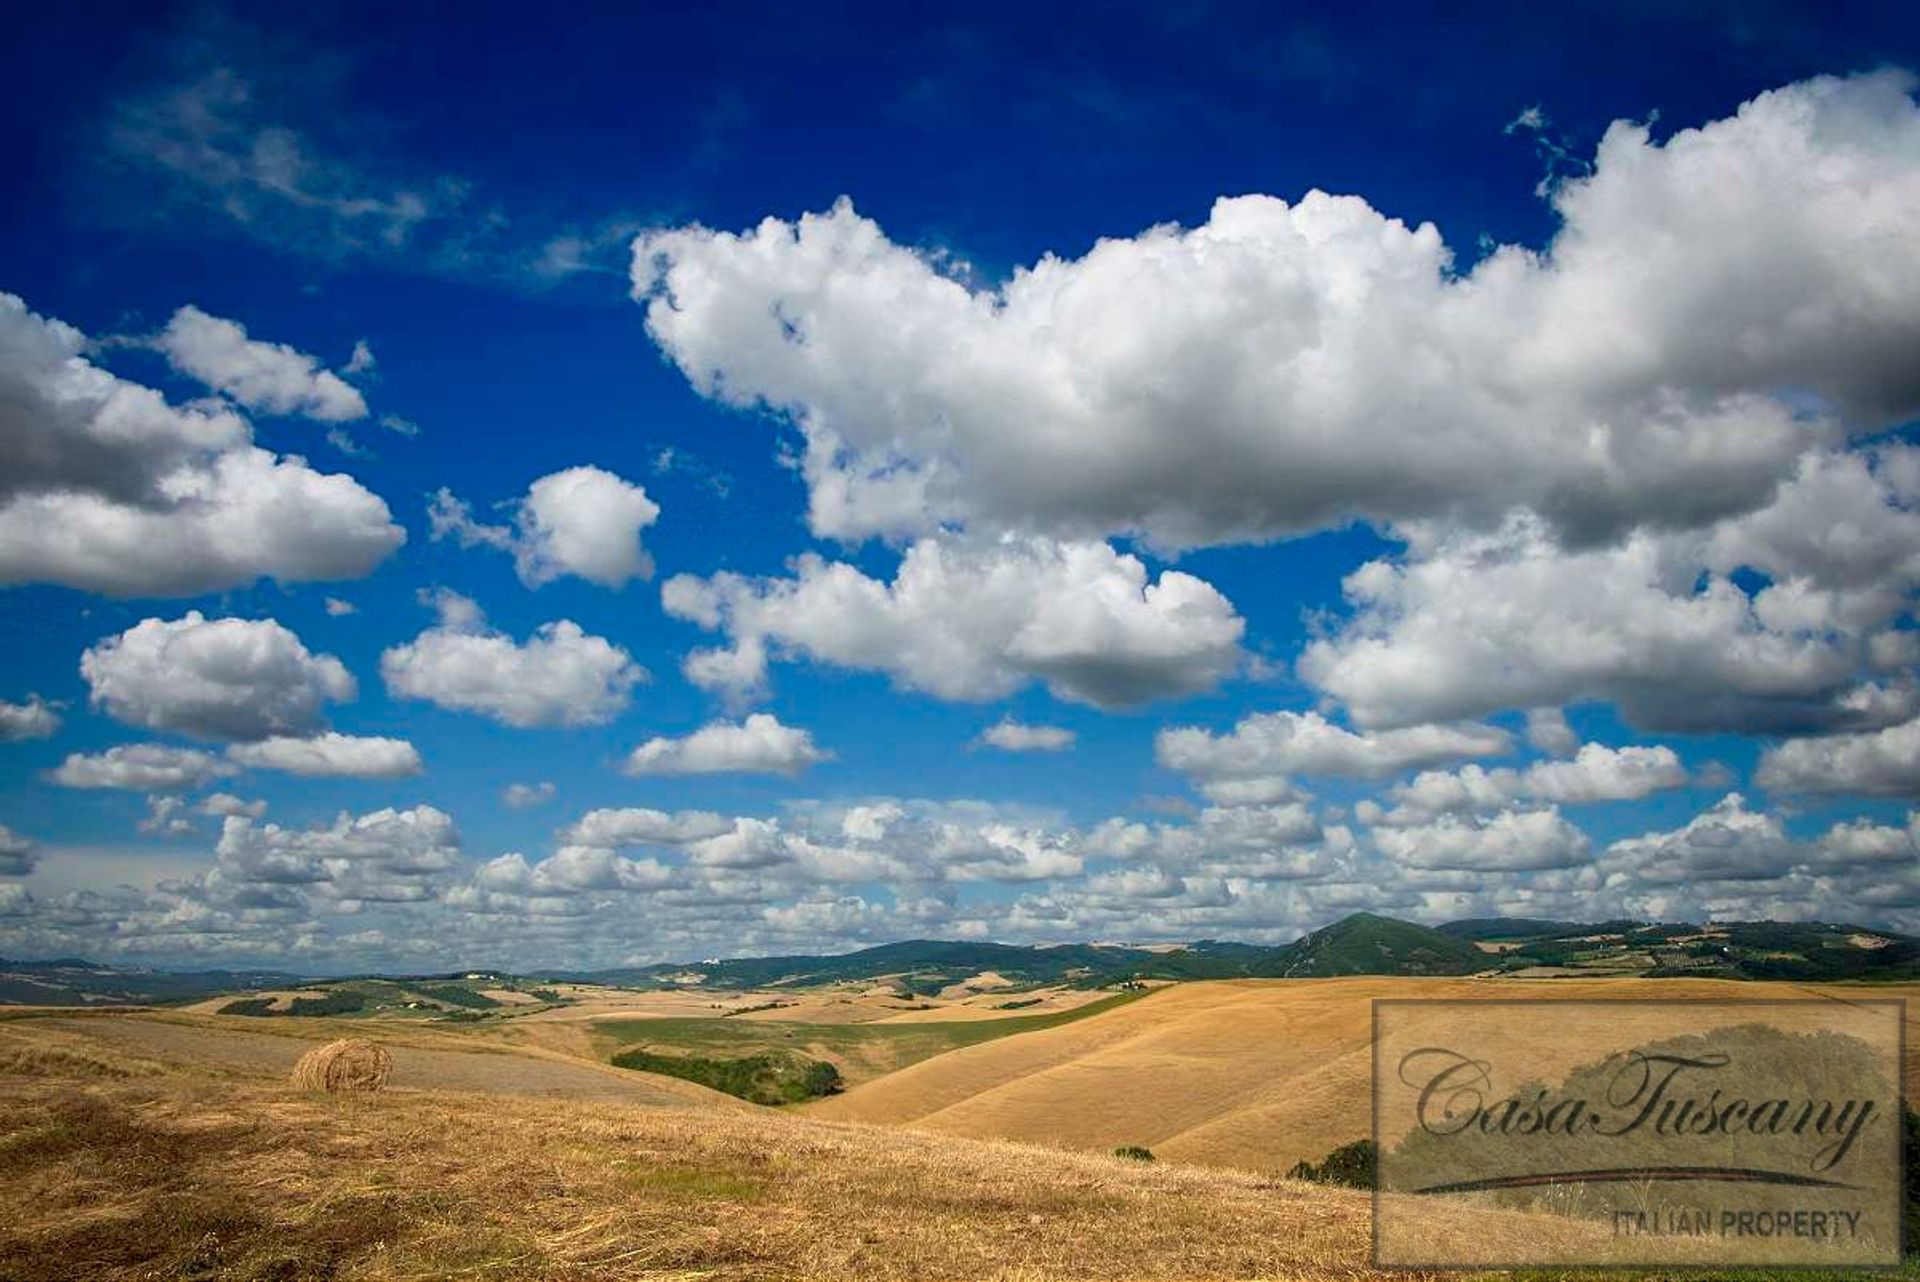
<point x="350" y="1065"/>
<point x="171" y="1171"/>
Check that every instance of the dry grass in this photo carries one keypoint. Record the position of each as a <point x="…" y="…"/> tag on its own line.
<point x="1269" y="1072"/>
<point x="180" y="1174"/>
<point x="179" y="1169"/>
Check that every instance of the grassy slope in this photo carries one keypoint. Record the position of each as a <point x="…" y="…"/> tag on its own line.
<point x="861" y="1051"/>
<point x="1268" y="1073"/>
<point x="121" y="1166"/>
<point x="1369" y="944"/>
<point x="115" y="1168"/>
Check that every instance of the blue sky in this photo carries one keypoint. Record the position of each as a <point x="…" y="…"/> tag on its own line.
<point x="1051" y="399"/>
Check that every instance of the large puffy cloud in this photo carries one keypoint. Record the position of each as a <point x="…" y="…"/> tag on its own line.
<point x="331" y="756"/>
<point x="1467" y="623"/>
<point x="381" y="855"/>
<point x="1882" y="763"/>
<point x="1863" y="842"/>
<point x="582" y="521"/>
<point x="1727" y="842"/>
<point x="110" y="488"/>
<point x="560" y="676"/>
<point x="1282" y="368"/>
<point x="70" y="426"/>
<point x="1283" y="842"/>
<point x="974" y="621"/>
<point x="34" y="719"/>
<point x="1265" y="748"/>
<point x="1595" y="773"/>
<point x="573" y="870"/>
<point x="218" y="679"/>
<point x="141" y="767"/>
<point x="758" y="745"/>
<point x="270" y="377"/>
<point x="1508" y="841"/>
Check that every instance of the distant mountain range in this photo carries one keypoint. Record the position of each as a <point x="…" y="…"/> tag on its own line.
<point x="69" y="981"/>
<point x="1360" y="944"/>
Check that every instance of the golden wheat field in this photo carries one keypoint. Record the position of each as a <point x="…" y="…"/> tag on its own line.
<point x="139" y="1145"/>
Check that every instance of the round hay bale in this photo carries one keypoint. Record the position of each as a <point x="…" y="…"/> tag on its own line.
<point x="348" y="1065"/>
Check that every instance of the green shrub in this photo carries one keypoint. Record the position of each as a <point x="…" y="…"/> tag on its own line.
<point x="760" y="1079"/>
<point x="334" y="1002"/>
<point x="1350" y="1164"/>
<point x="1134" y="1152"/>
<point x="340" y="1001"/>
<point x="455" y="995"/>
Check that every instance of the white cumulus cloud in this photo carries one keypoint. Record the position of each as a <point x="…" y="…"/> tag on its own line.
<point x="216" y="679"/>
<point x="973" y="621"/>
<point x="379" y="855"/>
<point x="1596" y="773"/>
<point x="758" y="745"/>
<point x="1288" y="367"/>
<point x="111" y="489"/>
<point x="1509" y="841"/>
<point x="525" y="796"/>
<point x="1009" y="735"/>
<point x="1882" y="763"/>
<point x="559" y="676"/>
<point x="269" y="377"/>
<point x="331" y="755"/>
<point x="222" y="804"/>
<point x="1726" y="842"/>
<point x="1469" y="623"/>
<point x="582" y="521"/>
<point x="141" y="767"/>
<point x="638" y="826"/>
<point x="33" y="719"/>
<point x="1265" y="748"/>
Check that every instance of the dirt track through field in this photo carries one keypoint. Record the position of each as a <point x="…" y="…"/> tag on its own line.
<point x="414" y="1067"/>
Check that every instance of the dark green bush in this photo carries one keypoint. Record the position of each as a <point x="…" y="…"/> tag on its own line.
<point x="337" y="1002"/>
<point x="759" y="1079"/>
<point x="1350" y="1164"/>
<point x="455" y="995"/>
<point x="1134" y="1152"/>
<point x="343" y="1001"/>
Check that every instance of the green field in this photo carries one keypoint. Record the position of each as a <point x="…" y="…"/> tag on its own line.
<point x="861" y="1051"/>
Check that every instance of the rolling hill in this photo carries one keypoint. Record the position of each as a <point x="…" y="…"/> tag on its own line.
<point x="1368" y="944"/>
<point x="928" y="965"/>
<point x="1360" y="944"/>
<point x="69" y="981"/>
<point x="1255" y="1074"/>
